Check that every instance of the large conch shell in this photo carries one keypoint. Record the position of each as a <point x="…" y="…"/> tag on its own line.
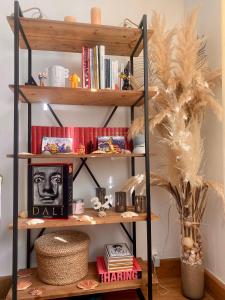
<point x="87" y="284"/>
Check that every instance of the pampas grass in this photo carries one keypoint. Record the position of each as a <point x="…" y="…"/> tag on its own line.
<point x="178" y="66"/>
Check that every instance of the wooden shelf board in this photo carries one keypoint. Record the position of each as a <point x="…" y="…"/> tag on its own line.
<point x="111" y="218"/>
<point x="63" y="36"/>
<point x="80" y="96"/>
<point x="55" y="292"/>
<point x="73" y="156"/>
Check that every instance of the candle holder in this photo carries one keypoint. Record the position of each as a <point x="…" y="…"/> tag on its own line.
<point x="100" y="194"/>
<point x="96" y="16"/>
<point x="120" y="202"/>
<point x="140" y="204"/>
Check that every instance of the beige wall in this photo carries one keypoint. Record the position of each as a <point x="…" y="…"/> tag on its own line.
<point x="214" y="222"/>
<point x="114" y="11"/>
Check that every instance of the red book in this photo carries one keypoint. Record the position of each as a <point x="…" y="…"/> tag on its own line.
<point x="106" y="276"/>
<point x="34" y="140"/>
<point x="39" y="138"/>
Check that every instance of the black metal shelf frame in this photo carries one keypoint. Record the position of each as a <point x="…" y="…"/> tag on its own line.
<point x="18" y="29"/>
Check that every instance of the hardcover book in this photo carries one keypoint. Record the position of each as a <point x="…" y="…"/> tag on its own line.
<point x="56" y="145"/>
<point x="110" y="276"/>
<point x="111" y="144"/>
<point x="51" y="192"/>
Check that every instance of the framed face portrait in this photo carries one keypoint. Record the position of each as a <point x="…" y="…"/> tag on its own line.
<point x="51" y="192"/>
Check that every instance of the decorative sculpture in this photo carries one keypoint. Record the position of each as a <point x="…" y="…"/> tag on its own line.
<point x="74" y="80"/>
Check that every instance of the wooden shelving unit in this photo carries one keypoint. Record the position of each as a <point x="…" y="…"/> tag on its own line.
<point x="80" y="96"/>
<point x="48" y="35"/>
<point x="74" y="156"/>
<point x="111" y="218"/>
<point x="55" y="292"/>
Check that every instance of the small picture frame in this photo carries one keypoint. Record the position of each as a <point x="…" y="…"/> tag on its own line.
<point x="51" y="192"/>
<point x="56" y="145"/>
<point x="111" y="144"/>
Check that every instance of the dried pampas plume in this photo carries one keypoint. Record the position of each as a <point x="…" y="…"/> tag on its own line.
<point x="185" y="89"/>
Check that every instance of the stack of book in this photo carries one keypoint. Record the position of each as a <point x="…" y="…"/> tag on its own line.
<point x="118" y="257"/>
<point x="118" y="264"/>
<point x="99" y="72"/>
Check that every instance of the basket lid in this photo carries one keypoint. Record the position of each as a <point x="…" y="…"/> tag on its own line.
<point x="61" y="243"/>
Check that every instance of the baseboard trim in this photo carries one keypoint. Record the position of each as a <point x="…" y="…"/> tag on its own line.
<point x="214" y="286"/>
<point x="5" y="283"/>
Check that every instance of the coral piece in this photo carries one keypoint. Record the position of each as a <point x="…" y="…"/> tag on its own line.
<point x="23" y="284"/>
<point x="88" y="284"/>
<point x="35" y="221"/>
<point x="35" y="292"/>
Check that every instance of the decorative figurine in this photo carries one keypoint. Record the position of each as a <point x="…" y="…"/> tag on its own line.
<point x="126" y="80"/>
<point x="101" y="207"/>
<point x="74" y="80"/>
<point x="80" y="150"/>
<point x="96" y="16"/>
<point x="90" y="147"/>
<point x="42" y="76"/>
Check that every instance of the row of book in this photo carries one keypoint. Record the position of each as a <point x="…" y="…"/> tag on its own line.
<point x="118" y="264"/>
<point x="99" y="71"/>
<point x="80" y="135"/>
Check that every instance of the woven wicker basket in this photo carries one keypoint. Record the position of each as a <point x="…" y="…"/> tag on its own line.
<point x="62" y="257"/>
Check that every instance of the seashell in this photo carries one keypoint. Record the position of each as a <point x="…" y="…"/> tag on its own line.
<point x="23" y="284"/>
<point x="193" y="252"/>
<point x="35" y="292"/>
<point x="35" y="221"/>
<point x="24" y="273"/>
<point x="87" y="284"/>
<point x="129" y="214"/>
<point x="98" y="152"/>
<point x="102" y="214"/>
<point x="187" y="242"/>
<point x="23" y="214"/>
<point x="85" y="218"/>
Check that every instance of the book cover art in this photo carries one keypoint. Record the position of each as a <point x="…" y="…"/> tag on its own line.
<point x="51" y="191"/>
<point x="111" y="144"/>
<point x="110" y="276"/>
<point x="117" y="250"/>
<point x="56" y="145"/>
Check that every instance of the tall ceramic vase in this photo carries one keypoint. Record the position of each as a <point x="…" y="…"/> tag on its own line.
<point x="192" y="280"/>
<point x="192" y="268"/>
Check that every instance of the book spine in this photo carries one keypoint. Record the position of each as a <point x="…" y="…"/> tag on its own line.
<point x="85" y="68"/>
<point x="107" y="73"/>
<point x="97" y="66"/>
<point x="89" y="67"/>
<point x="92" y="69"/>
<point x="102" y="66"/>
<point x="120" y="79"/>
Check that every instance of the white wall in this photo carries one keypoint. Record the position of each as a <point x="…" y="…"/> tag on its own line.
<point x="214" y="221"/>
<point x="113" y="13"/>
